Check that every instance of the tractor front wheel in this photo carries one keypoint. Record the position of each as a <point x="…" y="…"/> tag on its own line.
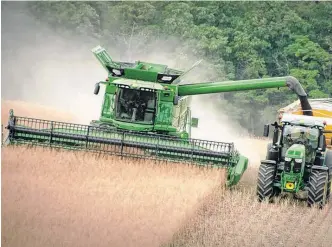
<point x="265" y="188"/>
<point x="318" y="188"/>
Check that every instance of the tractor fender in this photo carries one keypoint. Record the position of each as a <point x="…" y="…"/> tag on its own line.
<point x="269" y="162"/>
<point x="321" y="168"/>
<point x="271" y="153"/>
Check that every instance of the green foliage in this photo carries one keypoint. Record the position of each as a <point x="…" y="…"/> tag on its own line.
<point x="79" y="17"/>
<point x="241" y="40"/>
<point x="177" y="18"/>
<point x="312" y="65"/>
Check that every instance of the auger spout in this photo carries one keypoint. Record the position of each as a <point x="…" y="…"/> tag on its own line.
<point x="242" y="85"/>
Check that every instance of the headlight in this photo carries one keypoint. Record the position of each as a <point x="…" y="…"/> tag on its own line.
<point x="288" y="159"/>
<point x="298" y="160"/>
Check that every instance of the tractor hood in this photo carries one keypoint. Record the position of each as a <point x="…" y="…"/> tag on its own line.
<point x="293" y="168"/>
<point x="296" y="151"/>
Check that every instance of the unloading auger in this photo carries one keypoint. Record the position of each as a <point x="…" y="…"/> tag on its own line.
<point x="146" y="114"/>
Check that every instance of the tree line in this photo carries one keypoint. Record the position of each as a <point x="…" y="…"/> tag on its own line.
<point x="240" y="40"/>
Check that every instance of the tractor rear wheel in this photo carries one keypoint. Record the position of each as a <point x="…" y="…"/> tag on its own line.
<point x="265" y="188"/>
<point x="328" y="162"/>
<point x="329" y="188"/>
<point x="318" y="188"/>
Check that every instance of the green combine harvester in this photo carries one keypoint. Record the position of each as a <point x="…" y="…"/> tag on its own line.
<point x="297" y="160"/>
<point x="146" y="114"/>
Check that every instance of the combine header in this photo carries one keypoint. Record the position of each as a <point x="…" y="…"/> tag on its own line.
<point x="146" y="114"/>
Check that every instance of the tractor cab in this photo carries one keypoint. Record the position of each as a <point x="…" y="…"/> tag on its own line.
<point x="297" y="161"/>
<point x="294" y="134"/>
<point x="295" y="131"/>
<point x="298" y="145"/>
<point x="301" y="141"/>
<point x="303" y="130"/>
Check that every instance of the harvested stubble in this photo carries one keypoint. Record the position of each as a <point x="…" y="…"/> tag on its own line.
<point x="235" y="218"/>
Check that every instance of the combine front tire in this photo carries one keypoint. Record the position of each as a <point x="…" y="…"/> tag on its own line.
<point x="265" y="188"/>
<point x="318" y="188"/>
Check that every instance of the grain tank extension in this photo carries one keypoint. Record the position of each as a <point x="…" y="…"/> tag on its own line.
<point x="146" y="114"/>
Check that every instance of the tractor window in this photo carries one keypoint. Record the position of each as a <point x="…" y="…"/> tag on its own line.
<point x="136" y="105"/>
<point x="300" y="134"/>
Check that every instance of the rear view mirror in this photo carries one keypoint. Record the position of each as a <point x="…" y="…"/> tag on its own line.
<point x="194" y="122"/>
<point x="266" y="130"/>
<point x="97" y="87"/>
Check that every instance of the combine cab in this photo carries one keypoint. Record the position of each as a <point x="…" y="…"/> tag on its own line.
<point x="146" y="113"/>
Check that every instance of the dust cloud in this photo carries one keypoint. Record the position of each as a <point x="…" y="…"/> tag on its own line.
<point x="40" y="66"/>
<point x="215" y="125"/>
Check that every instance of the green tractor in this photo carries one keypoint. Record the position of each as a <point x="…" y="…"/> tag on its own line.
<point x="297" y="161"/>
<point x="146" y="114"/>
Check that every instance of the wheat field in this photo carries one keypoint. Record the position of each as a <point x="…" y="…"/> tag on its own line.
<point x="62" y="198"/>
<point x="235" y="218"/>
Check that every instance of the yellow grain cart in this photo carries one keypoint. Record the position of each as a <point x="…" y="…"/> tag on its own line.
<point x="321" y="108"/>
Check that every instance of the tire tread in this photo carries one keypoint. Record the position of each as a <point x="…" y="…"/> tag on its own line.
<point x="265" y="181"/>
<point x="316" y="188"/>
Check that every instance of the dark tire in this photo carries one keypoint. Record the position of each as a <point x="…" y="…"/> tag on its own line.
<point x="328" y="159"/>
<point x="328" y="162"/>
<point x="318" y="188"/>
<point x="265" y="189"/>
<point x="329" y="188"/>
